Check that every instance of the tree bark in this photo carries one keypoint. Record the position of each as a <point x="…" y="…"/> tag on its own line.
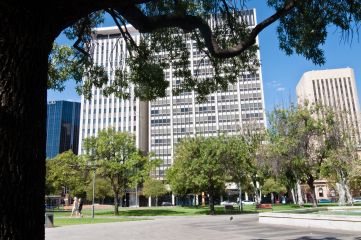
<point x="211" y="204"/>
<point x="311" y="184"/>
<point x="25" y="43"/>
<point x="299" y="194"/>
<point x="116" y="203"/>
<point x="211" y="199"/>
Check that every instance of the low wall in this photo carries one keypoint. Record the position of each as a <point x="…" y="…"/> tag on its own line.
<point x="350" y="223"/>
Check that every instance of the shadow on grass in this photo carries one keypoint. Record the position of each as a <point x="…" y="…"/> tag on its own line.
<point x="183" y="211"/>
<point x="177" y="211"/>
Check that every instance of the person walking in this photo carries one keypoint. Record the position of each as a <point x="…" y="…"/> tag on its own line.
<point x="75" y="207"/>
<point x="80" y="207"/>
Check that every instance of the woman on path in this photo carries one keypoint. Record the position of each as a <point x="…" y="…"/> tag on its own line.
<point x="75" y="207"/>
<point x="80" y="207"/>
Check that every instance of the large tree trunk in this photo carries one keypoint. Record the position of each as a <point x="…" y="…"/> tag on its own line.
<point x="211" y="204"/>
<point x="25" y="43"/>
<point x="341" y="194"/>
<point x="311" y="184"/>
<point x="116" y="203"/>
<point x="211" y="199"/>
<point x="300" y="201"/>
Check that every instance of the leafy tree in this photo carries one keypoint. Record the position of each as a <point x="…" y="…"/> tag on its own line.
<point x="118" y="160"/>
<point x="102" y="190"/>
<point x="342" y="157"/>
<point x="281" y="151"/>
<point x="66" y="170"/>
<point x="240" y="160"/>
<point x="154" y="188"/>
<point x="27" y="33"/>
<point x="272" y="186"/>
<point x="198" y="168"/>
<point x="297" y="135"/>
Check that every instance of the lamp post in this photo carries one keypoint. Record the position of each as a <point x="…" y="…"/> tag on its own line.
<point x="240" y="196"/>
<point x="93" y="193"/>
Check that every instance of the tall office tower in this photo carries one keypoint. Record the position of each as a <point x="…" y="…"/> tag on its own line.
<point x="335" y="88"/>
<point x="62" y="127"/>
<point x="175" y="117"/>
<point x="103" y="112"/>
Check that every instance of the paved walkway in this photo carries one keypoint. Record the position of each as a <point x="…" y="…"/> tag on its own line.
<point x="194" y="228"/>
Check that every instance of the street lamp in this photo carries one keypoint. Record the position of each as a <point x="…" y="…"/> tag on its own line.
<point x="93" y="193"/>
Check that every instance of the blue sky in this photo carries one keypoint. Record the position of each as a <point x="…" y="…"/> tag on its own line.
<point x="280" y="73"/>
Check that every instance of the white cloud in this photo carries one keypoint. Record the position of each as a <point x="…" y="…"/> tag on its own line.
<point x="280" y="89"/>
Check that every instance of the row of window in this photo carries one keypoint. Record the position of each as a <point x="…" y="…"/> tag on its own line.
<point x="109" y="120"/>
<point x="107" y="110"/>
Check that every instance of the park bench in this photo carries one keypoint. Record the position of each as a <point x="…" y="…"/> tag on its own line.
<point x="230" y="208"/>
<point x="264" y="206"/>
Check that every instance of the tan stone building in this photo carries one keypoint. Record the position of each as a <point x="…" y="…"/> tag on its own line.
<point x="335" y="88"/>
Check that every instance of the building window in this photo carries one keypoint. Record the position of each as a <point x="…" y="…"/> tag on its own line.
<point x="320" y="192"/>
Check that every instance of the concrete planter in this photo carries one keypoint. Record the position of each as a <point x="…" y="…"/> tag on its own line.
<point x="306" y="218"/>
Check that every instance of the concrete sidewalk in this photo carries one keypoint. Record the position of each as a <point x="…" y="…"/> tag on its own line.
<point x="194" y="228"/>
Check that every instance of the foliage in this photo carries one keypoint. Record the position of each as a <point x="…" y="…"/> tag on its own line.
<point x="102" y="190"/>
<point x="66" y="170"/>
<point x="117" y="159"/>
<point x="297" y="149"/>
<point x="273" y="186"/>
<point x="228" y="46"/>
<point x="198" y="167"/>
<point x="305" y="28"/>
<point x="342" y="157"/>
<point x="153" y="188"/>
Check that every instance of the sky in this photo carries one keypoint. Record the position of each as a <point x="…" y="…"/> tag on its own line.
<point x="280" y="72"/>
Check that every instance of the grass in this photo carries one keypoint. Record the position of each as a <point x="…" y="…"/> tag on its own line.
<point x="62" y="218"/>
<point x="174" y="211"/>
<point x="58" y="222"/>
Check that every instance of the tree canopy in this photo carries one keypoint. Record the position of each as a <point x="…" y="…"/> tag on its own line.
<point x="220" y="30"/>
<point x="66" y="172"/>
<point x="154" y="188"/>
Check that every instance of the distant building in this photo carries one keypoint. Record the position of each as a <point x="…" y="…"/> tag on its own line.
<point x="335" y="88"/>
<point x="62" y="127"/>
<point x="173" y="118"/>
<point x="102" y="112"/>
<point x="159" y="125"/>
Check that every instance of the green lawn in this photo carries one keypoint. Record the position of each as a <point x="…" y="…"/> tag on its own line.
<point x="175" y="211"/>
<point x="58" y="222"/>
<point x="62" y="218"/>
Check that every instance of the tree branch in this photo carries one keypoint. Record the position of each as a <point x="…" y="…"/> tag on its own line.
<point x="148" y="24"/>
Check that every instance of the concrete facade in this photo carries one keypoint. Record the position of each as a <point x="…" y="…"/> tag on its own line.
<point x="101" y="112"/>
<point x="314" y="220"/>
<point x="175" y="117"/>
<point x="335" y="88"/>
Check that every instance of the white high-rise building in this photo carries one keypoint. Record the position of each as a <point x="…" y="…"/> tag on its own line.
<point x="161" y="124"/>
<point x="104" y="112"/>
<point x="335" y="88"/>
<point x="175" y="117"/>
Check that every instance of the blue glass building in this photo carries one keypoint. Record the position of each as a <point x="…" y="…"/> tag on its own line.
<point x="62" y="127"/>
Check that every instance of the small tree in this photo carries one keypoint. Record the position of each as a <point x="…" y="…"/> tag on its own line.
<point x="342" y="158"/>
<point x="272" y="186"/>
<point x="298" y="135"/>
<point x="118" y="160"/>
<point x="66" y="170"/>
<point x="154" y="188"/>
<point x="198" y="168"/>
